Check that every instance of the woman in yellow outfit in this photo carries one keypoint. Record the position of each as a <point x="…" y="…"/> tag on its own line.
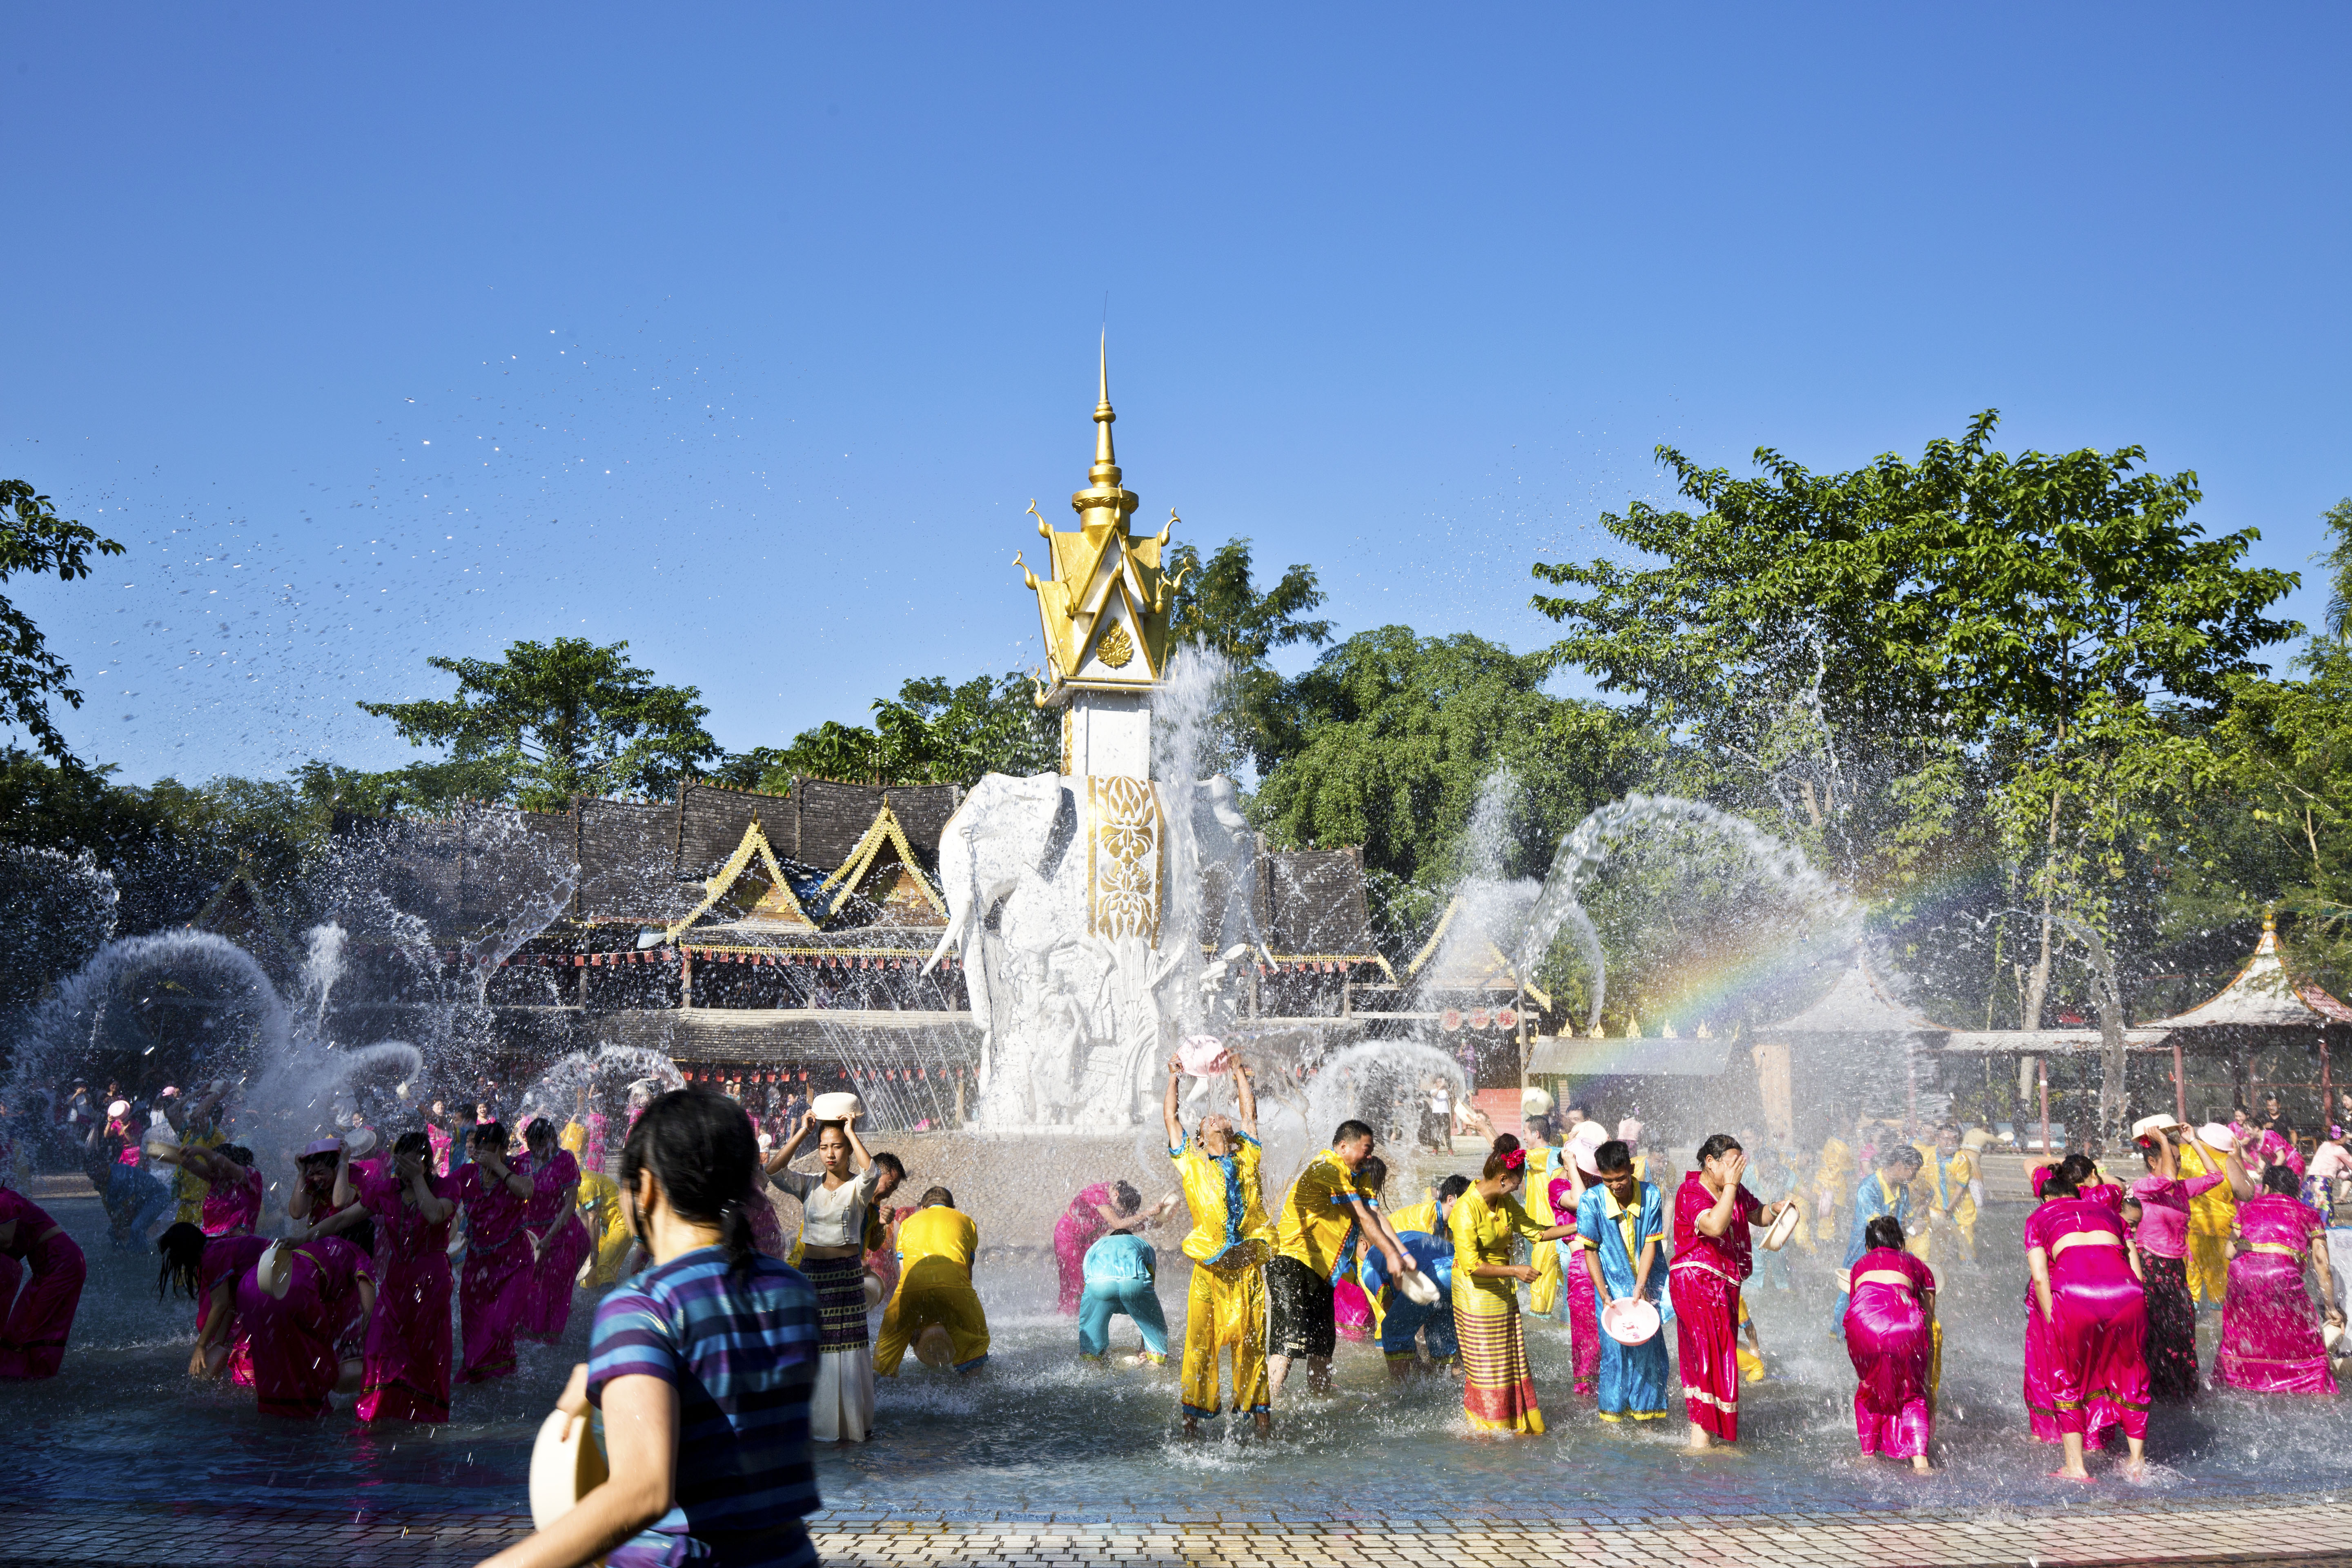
<point x="2213" y="1221"/>
<point x="600" y="1211"/>
<point x="1498" y="1394"/>
<point x="937" y="1245"/>
<point x="1224" y="1307"/>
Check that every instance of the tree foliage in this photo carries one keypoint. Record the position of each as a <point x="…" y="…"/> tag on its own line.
<point x="1399" y="735"/>
<point x="34" y="539"/>
<point x="1919" y="664"/>
<point x="931" y="732"/>
<point x="553" y="720"/>
<point x="1219" y="606"/>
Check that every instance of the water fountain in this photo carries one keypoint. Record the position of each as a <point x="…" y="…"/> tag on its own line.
<point x="1100" y="916"/>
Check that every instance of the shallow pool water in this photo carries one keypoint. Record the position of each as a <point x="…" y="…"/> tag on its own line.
<point x="1042" y="1434"/>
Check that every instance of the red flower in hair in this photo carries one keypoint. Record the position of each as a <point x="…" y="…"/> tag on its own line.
<point x="1513" y="1159"/>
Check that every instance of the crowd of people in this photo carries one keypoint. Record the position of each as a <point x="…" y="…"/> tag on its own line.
<point x="722" y="1347"/>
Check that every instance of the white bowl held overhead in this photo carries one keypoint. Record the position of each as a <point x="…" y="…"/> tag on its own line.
<point x="839" y="1106"/>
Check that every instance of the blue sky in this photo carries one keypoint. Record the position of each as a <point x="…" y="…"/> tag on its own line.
<point x="746" y="334"/>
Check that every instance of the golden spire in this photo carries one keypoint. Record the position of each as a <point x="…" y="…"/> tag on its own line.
<point x="1104" y="503"/>
<point x="1107" y="599"/>
<point x="1104" y="473"/>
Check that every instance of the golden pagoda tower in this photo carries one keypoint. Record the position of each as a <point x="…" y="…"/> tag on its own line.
<point x="1103" y="612"/>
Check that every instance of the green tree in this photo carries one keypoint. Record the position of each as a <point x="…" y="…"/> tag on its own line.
<point x="1218" y="605"/>
<point x="2269" y="825"/>
<point x="557" y="720"/>
<point x="1918" y="662"/>
<point x="34" y="539"/>
<point x="1400" y="734"/>
<point x="931" y="732"/>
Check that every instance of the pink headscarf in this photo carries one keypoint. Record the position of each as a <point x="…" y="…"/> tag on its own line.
<point x="1629" y="1131"/>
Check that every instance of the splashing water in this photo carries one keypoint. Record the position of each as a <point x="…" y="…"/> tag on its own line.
<point x="1589" y="843"/>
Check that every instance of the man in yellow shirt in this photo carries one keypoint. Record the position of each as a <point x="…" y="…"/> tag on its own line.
<point x="935" y="1307"/>
<point x="1225" y="1307"/>
<point x="1945" y="1194"/>
<point x="1330" y="1210"/>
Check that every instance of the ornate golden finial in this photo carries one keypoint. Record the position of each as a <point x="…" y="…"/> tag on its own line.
<point x="2270" y="918"/>
<point x="1105" y="472"/>
<point x="1106" y="601"/>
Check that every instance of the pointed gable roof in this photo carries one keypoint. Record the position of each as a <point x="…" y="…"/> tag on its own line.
<point x="1855" y="1004"/>
<point x="1472" y="965"/>
<point x="777" y="904"/>
<point x="882" y="868"/>
<point x="2262" y="995"/>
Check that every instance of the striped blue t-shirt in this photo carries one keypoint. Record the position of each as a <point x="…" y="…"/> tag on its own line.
<point x="740" y="1348"/>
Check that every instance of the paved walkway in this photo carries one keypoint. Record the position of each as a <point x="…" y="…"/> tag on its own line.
<point x="2301" y="1534"/>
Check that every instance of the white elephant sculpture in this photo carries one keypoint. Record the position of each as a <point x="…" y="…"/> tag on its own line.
<point x="1074" y="1025"/>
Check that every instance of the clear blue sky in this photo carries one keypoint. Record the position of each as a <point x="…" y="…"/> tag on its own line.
<point x="746" y="334"/>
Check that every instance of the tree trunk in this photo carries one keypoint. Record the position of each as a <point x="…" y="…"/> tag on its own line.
<point x="2038" y="986"/>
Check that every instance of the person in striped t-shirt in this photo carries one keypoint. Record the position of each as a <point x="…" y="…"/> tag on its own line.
<point x="703" y="1365"/>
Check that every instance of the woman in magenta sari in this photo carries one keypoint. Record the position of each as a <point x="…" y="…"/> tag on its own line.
<point x="233" y="1187"/>
<point x="298" y="1303"/>
<point x="495" y="1285"/>
<point x="1890" y="1336"/>
<point x="559" y="1242"/>
<point x="35" y="1327"/>
<point x="2088" y="1298"/>
<point x="205" y="1270"/>
<point x="1086" y="1221"/>
<point x="2270" y="1340"/>
<point x="2157" y="1211"/>
<point x="407" y="1350"/>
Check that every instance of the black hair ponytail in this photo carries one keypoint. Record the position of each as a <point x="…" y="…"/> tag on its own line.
<point x="702" y="1152"/>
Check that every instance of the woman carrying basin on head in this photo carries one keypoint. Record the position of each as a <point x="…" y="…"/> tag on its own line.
<point x="1225" y="1304"/>
<point x="835" y="1203"/>
<point x="2159" y="1211"/>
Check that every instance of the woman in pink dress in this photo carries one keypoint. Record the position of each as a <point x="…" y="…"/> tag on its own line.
<point x="1890" y="1336"/>
<point x="2088" y="1298"/>
<point x="559" y="1242"/>
<point x="298" y="1306"/>
<point x="2157" y="1211"/>
<point x="495" y="1287"/>
<point x="1713" y="1257"/>
<point x="407" y="1349"/>
<point x="1086" y="1221"/>
<point x="2270" y="1340"/>
<point x="233" y="1187"/>
<point x="1583" y="1306"/>
<point x="34" y="1328"/>
<point x="205" y="1270"/>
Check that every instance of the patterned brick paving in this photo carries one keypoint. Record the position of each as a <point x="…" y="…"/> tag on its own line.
<point x="2297" y="1532"/>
